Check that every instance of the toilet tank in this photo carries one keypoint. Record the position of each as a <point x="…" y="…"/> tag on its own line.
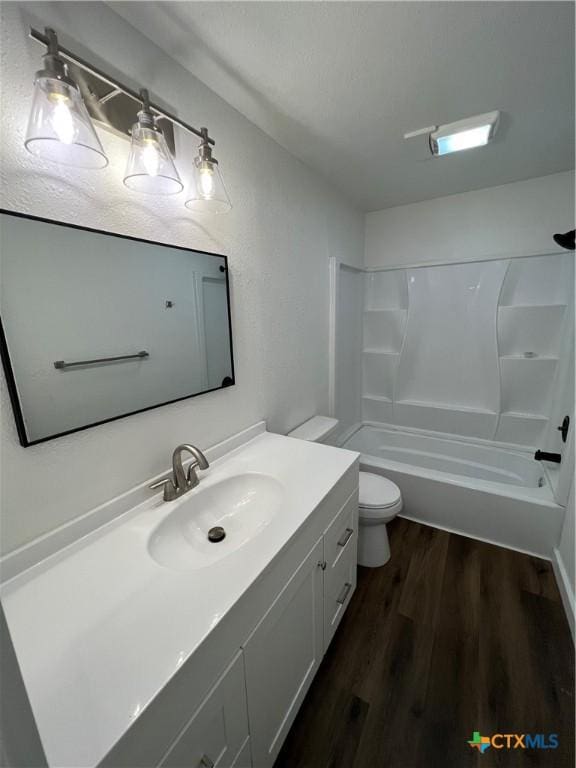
<point x="318" y="429"/>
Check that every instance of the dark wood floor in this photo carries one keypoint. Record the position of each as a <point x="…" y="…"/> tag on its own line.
<point x="451" y="636"/>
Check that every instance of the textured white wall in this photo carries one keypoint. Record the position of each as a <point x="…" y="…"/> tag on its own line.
<point x="285" y="224"/>
<point x="514" y="219"/>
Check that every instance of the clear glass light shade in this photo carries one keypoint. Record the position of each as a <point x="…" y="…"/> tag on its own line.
<point x="150" y="167"/>
<point x="208" y="193"/>
<point x="59" y="127"/>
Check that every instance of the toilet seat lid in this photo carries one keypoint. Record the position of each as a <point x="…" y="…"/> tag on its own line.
<point x="377" y="492"/>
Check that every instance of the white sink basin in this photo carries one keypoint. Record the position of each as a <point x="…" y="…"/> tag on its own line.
<point x="243" y="505"/>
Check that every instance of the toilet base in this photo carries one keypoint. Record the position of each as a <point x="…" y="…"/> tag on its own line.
<point x="373" y="545"/>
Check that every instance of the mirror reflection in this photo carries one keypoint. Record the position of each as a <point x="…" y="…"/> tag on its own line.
<point x="98" y="326"/>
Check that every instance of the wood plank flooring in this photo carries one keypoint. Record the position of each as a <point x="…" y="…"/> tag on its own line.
<point x="451" y="636"/>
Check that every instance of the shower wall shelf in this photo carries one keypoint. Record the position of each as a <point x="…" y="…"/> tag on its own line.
<point x="535" y="327"/>
<point x="379" y="372"/>
<point x="384" y="328"/>
<point x="387" y="310"/>
<point x="526" y="383"/>
<point x="531" y="318"/>
<point x="530" y="306"/>
<point x="529" y="416"/>
<point x="385" y="291"/>
<point x="528" y="359"/>
<point x="538" y="281"/>
<point x="447" y="407"/>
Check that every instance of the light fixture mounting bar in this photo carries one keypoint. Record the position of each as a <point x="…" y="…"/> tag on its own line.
<point x="44" y="39"/>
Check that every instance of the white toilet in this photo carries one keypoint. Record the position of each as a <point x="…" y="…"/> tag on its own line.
<point x="380" y="499"/>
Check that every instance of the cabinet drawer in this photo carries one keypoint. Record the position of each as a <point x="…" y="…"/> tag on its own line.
<point x="342" y="532"/>
<point x="339" y="585"/>
<point x="217" y="734"/>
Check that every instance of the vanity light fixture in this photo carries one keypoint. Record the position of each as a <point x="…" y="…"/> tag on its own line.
<point x="59" y="127"/>
<point x="209" y="193"/>
<point x="464" y="134"/>
<point x="150" y="167"/>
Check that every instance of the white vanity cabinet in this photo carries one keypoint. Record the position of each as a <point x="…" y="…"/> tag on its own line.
<point x="283" y="653"/>
<point x="272" y="672"/>
<point x="217" y="734"/>
<point x="282" y="656"/>
<point x="185" y="662"/>
<point x="295" y="608"/>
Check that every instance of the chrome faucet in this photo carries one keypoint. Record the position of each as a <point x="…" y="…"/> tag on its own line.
<point x="180" y="482"/>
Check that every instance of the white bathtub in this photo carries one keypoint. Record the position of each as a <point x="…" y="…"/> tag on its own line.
<point x="475" y="488"/>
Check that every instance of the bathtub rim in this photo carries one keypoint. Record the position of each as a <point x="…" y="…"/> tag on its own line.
<point x="524" y="450"/>
<point x="539" y="495"/>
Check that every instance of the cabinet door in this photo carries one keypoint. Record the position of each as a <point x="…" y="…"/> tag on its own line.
<point x="217" y="734"/>
<point x="282" y="656"/>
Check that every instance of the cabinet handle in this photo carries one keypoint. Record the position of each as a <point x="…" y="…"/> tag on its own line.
<point x="205" y="762"/>
<point x="344" y="594"/>
<point x="343" y="540"/>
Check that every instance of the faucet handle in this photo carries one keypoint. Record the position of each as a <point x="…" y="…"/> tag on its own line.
<point x="160" y="483"/>
<point x="191" y="476"/>
<point x="199" y="462"/>
<point x="169" y="488"/>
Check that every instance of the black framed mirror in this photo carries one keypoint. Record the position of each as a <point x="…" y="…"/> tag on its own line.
<point x="96" y="326"/>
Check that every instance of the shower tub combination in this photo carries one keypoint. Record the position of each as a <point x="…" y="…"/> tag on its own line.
<point x="473" y="487"/>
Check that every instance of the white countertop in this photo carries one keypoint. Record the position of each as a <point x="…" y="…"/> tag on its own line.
<point x="100" y="628"/>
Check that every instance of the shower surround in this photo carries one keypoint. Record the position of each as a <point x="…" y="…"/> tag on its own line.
<point x="447" y="377"/>
<point x="470" y="349"/>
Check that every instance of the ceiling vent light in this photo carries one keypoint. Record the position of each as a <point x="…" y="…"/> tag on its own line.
<point x="464" y="134"/>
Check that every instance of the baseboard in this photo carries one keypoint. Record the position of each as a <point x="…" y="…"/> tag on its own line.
<point x="565" y="588"/>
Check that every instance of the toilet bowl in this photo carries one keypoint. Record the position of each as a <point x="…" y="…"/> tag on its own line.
<point x="380" y="499"/>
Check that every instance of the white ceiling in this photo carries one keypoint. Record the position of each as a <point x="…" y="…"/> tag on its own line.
<point x="339" y="83"/>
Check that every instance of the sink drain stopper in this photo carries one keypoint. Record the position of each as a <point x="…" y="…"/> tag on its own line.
<point x="216" y="534"/>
